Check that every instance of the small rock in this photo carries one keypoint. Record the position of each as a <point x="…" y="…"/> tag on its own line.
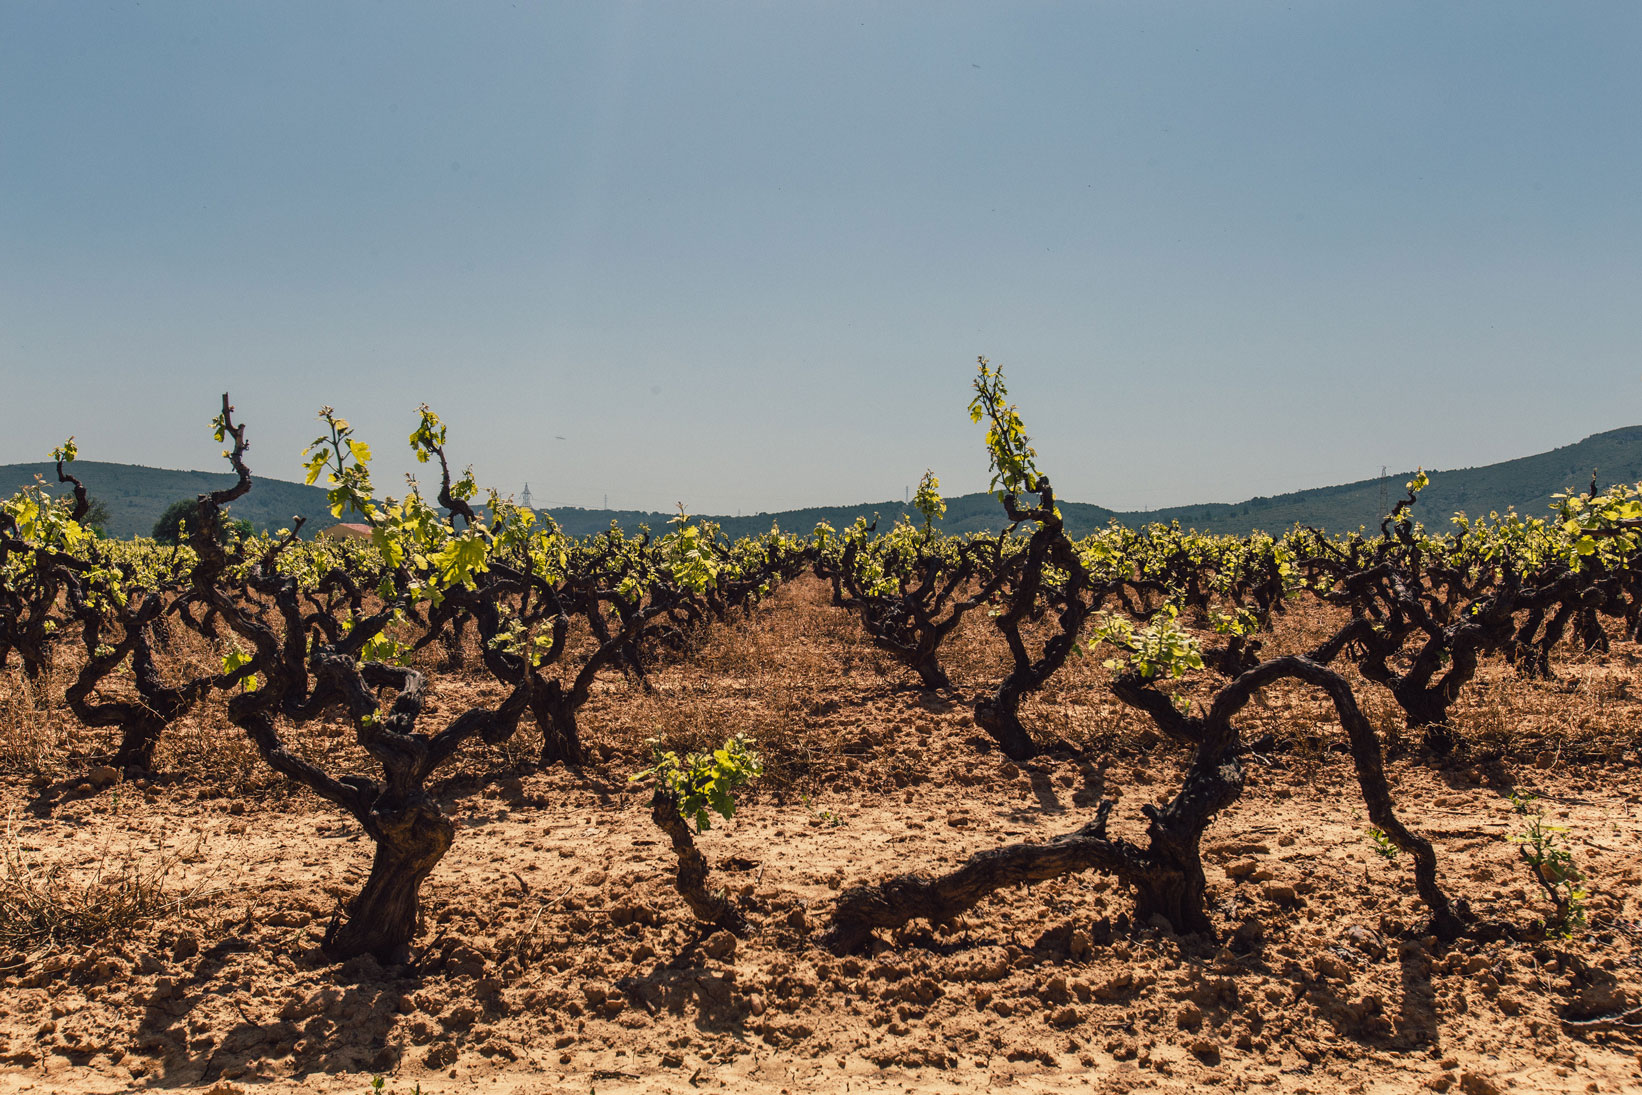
<point x="442" y="1055"/>
<point x="1206" y="1051"/>
<point x="1280" y="892"/>
<point x="1117" y="985"/>
<point x="1475" y="1083"/>
<point x="1365" y="940"/>
<point x="1065" y="1017"/>
<point x="103" y="969"/>
<point x="1242" y="867"/>
<point x="103" y="776"/>
<point x="465" y="961"/>
<point x="1329" y="965"/>
<point x="720" y="946"/>
<point x="1190" y="1017"/>
<point x="985" y="965"/>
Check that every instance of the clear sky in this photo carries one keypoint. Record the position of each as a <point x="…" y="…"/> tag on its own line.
<point x="744" y="255"/>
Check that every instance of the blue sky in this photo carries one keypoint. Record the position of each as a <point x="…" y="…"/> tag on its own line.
<point x="744" y="255"/>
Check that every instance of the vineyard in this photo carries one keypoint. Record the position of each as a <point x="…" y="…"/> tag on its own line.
<point x="472" y="804"/>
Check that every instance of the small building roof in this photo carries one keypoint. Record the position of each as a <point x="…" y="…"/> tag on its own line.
<point x="346" y="531"/>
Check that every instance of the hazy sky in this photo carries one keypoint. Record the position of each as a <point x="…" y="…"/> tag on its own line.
<point x="744" y="255"/>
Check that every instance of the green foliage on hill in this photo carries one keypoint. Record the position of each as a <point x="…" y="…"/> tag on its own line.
<point x="136" y="496"/>
<point x="172" y="525"/>
<point x="1526" y="483"/>
<point x="968" y="513"/>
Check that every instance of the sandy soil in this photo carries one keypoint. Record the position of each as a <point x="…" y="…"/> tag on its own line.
<point x="557" y="957"/>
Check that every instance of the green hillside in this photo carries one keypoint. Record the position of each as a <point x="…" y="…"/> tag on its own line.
<point x="1526" y="483"/>
<point x="135" y="497"/>
<point x="969" y="513"/>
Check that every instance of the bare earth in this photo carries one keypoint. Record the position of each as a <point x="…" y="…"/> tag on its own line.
<point x="556" y="956"/>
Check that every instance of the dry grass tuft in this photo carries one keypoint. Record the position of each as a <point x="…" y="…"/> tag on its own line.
<point x="45" y="910"/>
<point x="34" y="739"/>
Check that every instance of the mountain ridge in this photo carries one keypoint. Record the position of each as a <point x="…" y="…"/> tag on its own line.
<point x="136" y="495"/>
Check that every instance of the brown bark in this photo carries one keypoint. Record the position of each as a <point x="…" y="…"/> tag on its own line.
<point x="1049" y="546"/>
<point x="998" y="716"/>
<point x="381" y="920"/>
<point x="939" y="898"/>
<point x="691" y="879"/>
<point x="1447" y="920"/>
<point x="555" y="713"/>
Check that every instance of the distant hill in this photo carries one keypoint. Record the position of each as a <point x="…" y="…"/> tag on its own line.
<point x="1526" y="483"/>
<point x="968" y="513"/>
<point x="136" y="496"/>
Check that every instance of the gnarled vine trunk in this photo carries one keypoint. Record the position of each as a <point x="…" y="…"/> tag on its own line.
<point x="411" y="838"/>
<point x="554" y="709"/>
<point x="999" y="715"/>
<point x="691" y="877"/>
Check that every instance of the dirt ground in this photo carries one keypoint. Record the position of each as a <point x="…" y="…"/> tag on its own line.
<point x="555" y="955"/>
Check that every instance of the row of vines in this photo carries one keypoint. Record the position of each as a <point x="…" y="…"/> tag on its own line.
<point x="314" y="630"/>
